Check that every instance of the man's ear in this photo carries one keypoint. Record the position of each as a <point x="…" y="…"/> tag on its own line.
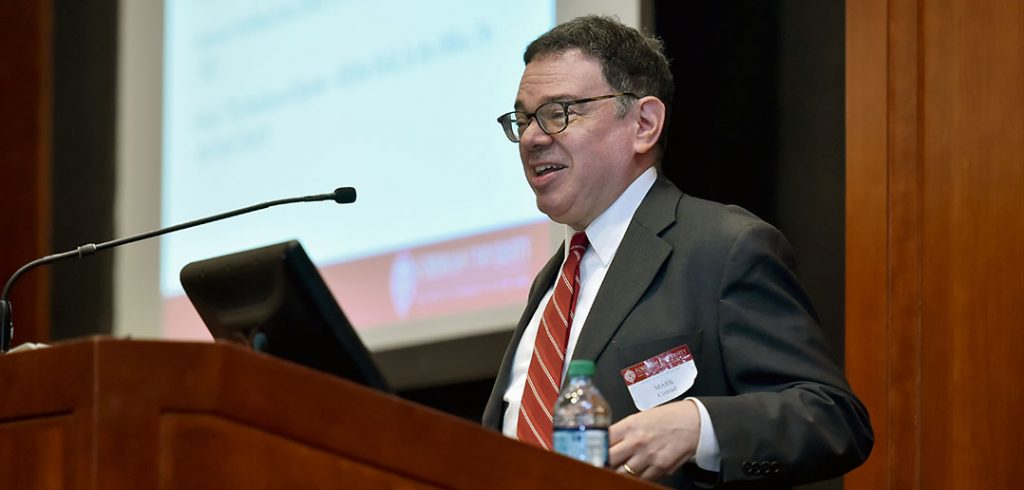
<point x="650" y="122"/>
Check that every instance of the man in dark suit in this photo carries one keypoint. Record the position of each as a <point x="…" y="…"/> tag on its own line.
<point x="705" y="344"/>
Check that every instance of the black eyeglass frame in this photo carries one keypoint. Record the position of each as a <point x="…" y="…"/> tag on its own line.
<point x="506" y="120"/>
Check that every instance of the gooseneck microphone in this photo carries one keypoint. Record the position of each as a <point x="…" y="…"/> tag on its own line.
<point x="341" y="195"/>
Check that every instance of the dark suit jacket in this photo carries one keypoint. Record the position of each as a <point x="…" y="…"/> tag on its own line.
<point x="718" y="279"/>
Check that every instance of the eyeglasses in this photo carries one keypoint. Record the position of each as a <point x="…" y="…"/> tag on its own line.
<point x="552" y="117"/>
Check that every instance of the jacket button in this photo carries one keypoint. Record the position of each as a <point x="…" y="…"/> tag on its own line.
<point x="776" y="467"/>
<point x="748" y="467"/>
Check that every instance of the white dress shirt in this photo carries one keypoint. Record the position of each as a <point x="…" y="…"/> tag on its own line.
<point x="605" y="234"/>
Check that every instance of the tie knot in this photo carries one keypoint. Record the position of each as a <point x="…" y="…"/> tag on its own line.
<point x="579" y="241"/>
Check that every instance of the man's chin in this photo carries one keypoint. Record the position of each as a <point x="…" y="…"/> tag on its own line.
<point x="560" y="217"/>
<point x="550" y="214"/>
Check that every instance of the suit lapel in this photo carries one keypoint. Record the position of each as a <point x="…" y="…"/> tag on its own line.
<point x="636" y="263"/>
<point x="495" y="406"/>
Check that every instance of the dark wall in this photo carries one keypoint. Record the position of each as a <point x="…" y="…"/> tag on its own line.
<point x="810" y="178"/>
<point x="724" y="59"/>
<point x="84" y="101"/>
<point x="758" y="121"/>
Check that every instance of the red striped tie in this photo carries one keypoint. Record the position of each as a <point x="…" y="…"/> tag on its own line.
<point x="545" y="374"/>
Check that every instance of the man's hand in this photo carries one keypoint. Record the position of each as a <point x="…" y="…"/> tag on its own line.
<point x="655" y="442"/>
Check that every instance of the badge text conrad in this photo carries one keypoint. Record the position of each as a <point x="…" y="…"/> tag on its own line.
<point x="665" y="388"/>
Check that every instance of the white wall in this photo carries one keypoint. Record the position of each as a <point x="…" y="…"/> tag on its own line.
<point x="628" y="11"/>
<point x="137" y="204"/>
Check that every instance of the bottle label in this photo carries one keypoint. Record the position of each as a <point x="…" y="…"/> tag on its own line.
<point x="587" y="445"/>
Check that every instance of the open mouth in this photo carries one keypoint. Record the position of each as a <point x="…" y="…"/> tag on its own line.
<point x="547" y="168"/>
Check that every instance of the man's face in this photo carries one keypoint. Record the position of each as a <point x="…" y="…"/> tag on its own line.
<point x="578" y="173"/>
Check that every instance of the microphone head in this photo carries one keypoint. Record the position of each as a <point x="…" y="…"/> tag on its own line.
<point x="344" y="195"/>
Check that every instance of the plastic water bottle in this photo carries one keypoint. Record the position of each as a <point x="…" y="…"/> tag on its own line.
<point x="582" y="417"/>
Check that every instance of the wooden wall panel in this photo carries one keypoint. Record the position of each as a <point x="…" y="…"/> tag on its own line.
<point x="867" y="186"/>
<point x="25" y="101"/>
<point x="193" y="448"/>
<point x="31" y="449"/>
<point x="935" y="240"/>
<point x="973" y="282"/>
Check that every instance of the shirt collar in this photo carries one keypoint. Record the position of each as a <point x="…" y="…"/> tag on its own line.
<point x="606" y="231"/>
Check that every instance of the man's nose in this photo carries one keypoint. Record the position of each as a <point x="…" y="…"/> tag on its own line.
<point x="534" y="136"/>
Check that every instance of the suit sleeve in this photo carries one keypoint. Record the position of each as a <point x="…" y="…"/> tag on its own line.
<point x="794" y="418"/>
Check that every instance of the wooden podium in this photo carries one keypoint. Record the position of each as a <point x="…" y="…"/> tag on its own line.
<point x="114" y="414"/>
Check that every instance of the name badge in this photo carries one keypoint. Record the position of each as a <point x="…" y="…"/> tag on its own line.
<point x="661" y="378"/>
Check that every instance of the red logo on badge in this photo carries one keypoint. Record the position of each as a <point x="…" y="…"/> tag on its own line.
<point x="657" y="364"/>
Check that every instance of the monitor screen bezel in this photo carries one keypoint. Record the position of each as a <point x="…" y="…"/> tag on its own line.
<point x="274" y="300"/>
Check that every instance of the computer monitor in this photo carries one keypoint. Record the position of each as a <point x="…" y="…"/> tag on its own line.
<point x="274" y="300"/>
